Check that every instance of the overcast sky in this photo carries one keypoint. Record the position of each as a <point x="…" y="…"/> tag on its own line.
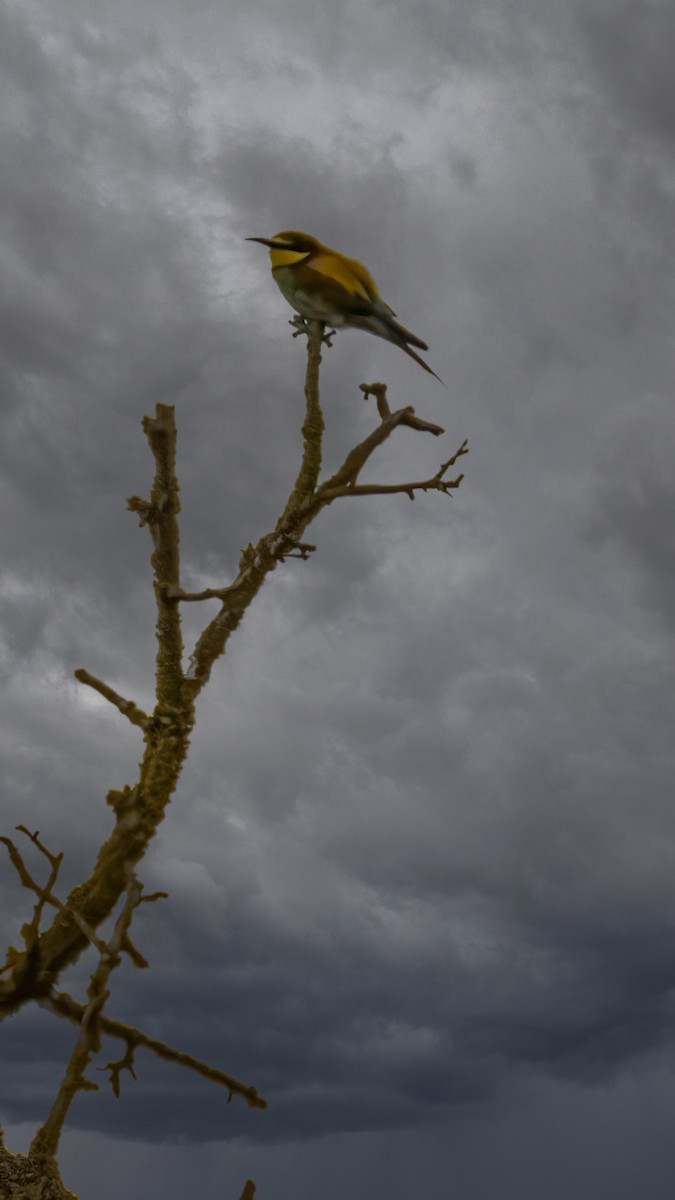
<point x="421" y="862"/>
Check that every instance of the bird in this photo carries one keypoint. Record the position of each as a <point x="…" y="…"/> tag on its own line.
<point x="323" y="285"/>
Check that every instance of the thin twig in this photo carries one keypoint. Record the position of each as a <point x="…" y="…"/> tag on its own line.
<point x="31" y="931"/>
<point x="45" y="894"/>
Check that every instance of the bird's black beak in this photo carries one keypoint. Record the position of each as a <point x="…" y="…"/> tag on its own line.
<point x="263" y="241"/>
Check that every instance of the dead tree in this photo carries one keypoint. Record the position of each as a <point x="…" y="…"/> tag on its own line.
<point x="32" y="973"/>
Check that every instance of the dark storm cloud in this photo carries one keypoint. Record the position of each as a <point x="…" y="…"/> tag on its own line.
<point x="636" y="489"/>
<point x="99" y="298"/>
<point x="629" y="45"/>
<point x="314" y="188"/>
<point x="424" y="843"/>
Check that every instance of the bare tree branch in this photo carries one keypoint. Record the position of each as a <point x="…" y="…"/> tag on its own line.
<point x="126" y="707"/>
<point x="437" y="482"/>
<point x="31" y="930"/>
<point x="46" y="1140"/>
<point x="379" y="391"/>
<point x="313" y="427"/>
<point x="64" y="1005"/>
<point x="139" y="809"/>
<point x="45" y="894"/>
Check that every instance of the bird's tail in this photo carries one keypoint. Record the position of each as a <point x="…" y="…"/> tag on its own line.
<point x="406" y="347"/>
<point x="383" y="325"/>
<point x="404" y="334"/>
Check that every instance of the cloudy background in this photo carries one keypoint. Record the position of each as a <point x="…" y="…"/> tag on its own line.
<point x="422" y="859"/>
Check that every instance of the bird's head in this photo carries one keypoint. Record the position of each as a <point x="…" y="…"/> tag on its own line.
<point x="289" y="239"/>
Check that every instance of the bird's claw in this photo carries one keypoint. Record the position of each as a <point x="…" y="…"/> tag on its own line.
<point x="302" y="325"/>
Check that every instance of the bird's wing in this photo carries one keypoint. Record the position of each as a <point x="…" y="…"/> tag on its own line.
<point x="347" y="279"/>
<point x="367" y="281"/>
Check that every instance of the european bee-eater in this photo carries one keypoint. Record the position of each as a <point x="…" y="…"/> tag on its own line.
<point x="322" y="285"/>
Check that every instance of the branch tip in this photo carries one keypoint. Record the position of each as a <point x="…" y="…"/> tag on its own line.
<point x="127" y="707"/>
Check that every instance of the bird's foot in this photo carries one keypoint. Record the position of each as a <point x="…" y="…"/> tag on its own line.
<point x="302" y="325"/>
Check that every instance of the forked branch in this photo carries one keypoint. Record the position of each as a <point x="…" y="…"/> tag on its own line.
<point x="63" y="1005"/>
<point x="45" y="1143"/>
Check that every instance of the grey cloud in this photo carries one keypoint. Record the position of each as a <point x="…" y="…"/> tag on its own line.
<point x="629" y="47"/>
<point x="423" y="848"/>
<point x="634" y="494"/>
